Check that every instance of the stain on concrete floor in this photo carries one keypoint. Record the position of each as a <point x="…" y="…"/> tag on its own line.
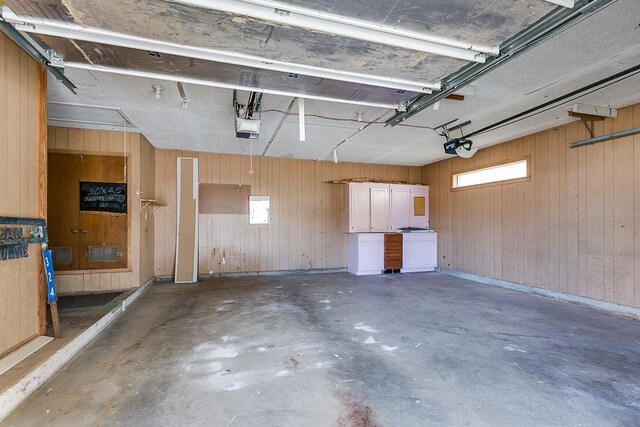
<point x="462" y="354"/>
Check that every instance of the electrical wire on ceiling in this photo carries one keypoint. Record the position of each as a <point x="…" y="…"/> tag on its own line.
<point x="334" y="151"/>
<point x="343" y="119"/>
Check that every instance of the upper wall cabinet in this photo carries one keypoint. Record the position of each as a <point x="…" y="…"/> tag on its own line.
<point x="368" y="207"/>
<point x="409" y="206"/>
<point x="419" y="216"/>
<point x="373" y="207"/>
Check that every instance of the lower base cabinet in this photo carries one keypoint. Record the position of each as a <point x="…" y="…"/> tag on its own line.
<point x="366" y="252"/>
<point x="420" y="252"/>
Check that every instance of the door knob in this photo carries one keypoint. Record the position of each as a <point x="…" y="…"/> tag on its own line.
<point x="83" y="231"/>
<point x="74" y="231"/>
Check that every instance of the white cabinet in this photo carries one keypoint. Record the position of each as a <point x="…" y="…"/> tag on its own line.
<point x="365" y="253"/>
<point x="400" y="206"/>
<point x="419" y="207"/>
<point x="379" y="207"/>
<point x="368" y="207"/>
<point x="359" y="202"/>
<point x="419" y="252"/>
<point x="409" y="206"/>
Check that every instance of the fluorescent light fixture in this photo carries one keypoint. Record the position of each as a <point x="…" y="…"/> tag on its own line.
<point x="314" y="20"/>
<point x="96" y="35"/>
<point x="301" y="118"/>
<point x="201" y="82"/>
<point x="565" y="3"/>
<point x="335" y="155"/>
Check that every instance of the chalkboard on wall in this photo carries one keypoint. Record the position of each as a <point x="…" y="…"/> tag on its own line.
<point x="103" y="197"/>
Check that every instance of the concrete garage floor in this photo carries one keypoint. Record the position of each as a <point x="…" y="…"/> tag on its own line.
<point x="335" y="349"/>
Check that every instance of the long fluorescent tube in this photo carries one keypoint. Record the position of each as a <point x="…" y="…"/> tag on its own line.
<point x="96" y="35"/>
<point x="201" y="82"/>
<point x="314" y="20"/>
<point x="565" y="3"/>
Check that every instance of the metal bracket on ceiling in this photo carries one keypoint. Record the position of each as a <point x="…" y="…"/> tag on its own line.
<point x="56" y="58"/>
<point x="444" y="130"/>
<point x="52" y="61"/>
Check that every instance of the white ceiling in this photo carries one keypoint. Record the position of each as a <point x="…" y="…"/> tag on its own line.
<point x="597" y="47"/>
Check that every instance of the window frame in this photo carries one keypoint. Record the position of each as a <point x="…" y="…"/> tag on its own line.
<point x="527" y="178"/>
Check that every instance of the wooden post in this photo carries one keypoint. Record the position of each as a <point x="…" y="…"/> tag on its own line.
<point x="42" y="189"/>
<point x="55" y="319"/>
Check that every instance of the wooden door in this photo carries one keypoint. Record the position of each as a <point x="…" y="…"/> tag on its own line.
<point x="84" y="240"/>
<point x="63" y="214"/>
<point x="103" y="235"/>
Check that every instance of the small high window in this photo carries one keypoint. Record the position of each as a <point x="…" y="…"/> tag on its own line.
<point x="502" y="173"/>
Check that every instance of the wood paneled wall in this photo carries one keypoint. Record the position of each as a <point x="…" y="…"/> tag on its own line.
<point x="575" y="227"/>
<point x="22" y="118"/>
<point x="306" y="212"/>
<point x="135" y="146"/>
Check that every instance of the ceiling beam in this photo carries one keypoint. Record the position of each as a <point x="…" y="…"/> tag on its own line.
<point x="290" y="15"/>
<point x="96" y="35"/>
<point x="202" y="82"/>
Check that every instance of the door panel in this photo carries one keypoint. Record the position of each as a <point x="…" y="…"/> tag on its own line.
<point x="62" y="212"/>
<point x="105" y="230"/>
<point x="380" y="208"/>
<point x="105" y="234"/>
<point x="102" y="229"/>
<point x="422" y="220"/>
<point x="400" y="208"/>
<point x="359" y="213"/>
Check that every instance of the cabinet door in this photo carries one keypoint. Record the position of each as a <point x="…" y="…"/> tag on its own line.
<point x="359" y="208"/>
<point x="411" y="254"/>
<point x="379" y="208"/>
<point x="400" y="208"/>
<point x="420" y="207"/>
<point x="428" y="253"/>
<point x="371" y="256"/>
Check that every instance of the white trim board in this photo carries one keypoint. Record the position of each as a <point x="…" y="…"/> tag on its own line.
<point x="13" y="396"/>
<point x="600" y="305"/>
<point x="15" y="357"/>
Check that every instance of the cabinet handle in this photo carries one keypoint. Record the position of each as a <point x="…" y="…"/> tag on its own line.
<point x="74" y="231"/>
<point x="83" y="231"/>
